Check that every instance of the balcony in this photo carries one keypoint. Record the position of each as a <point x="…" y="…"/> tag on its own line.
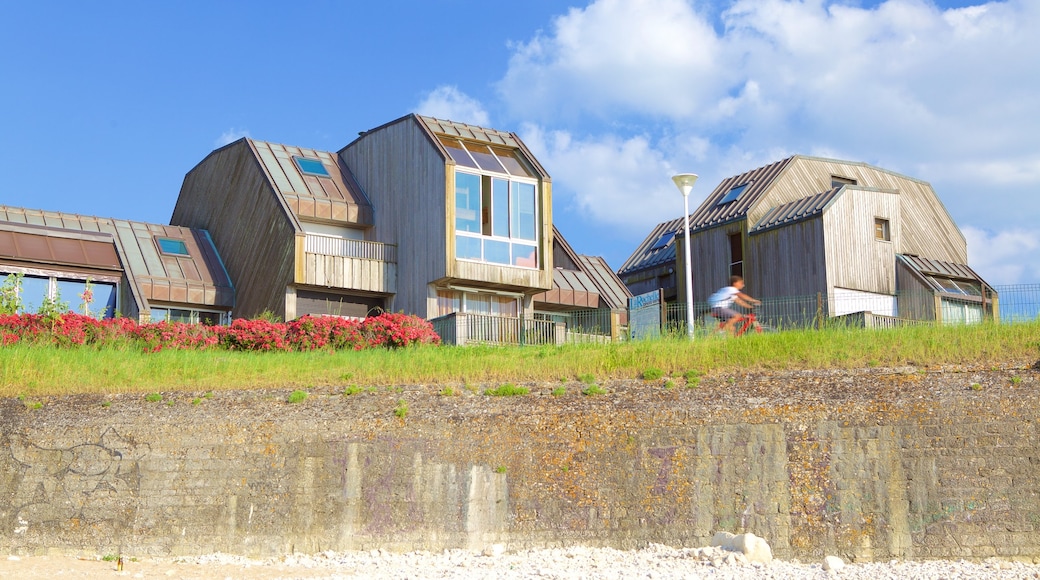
<point x="334" y="262"/>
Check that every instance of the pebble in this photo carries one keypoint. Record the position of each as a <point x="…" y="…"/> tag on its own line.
<point x="655" y="561"/>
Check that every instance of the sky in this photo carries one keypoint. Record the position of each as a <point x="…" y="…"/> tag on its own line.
<point x="105" y="106"/>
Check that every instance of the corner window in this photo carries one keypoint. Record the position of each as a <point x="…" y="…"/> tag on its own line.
<point x="172" y="246"/>
<point x="734" y="194"/>
<point x="89" y="297"/>
<point x="496" y="220"/>
<point x="881" y="230"/>
<point x="311" y="166"/>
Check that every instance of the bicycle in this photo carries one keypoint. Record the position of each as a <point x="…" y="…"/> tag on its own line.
<point x="747" y="322"/>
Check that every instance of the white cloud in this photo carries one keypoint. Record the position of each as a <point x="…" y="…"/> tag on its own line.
<point x="1005" y="257"/>
<point x="603" y="178"/>
<point x="230" y="136"/>
<point x="449" y="103"/>
<point x="632" y="89"/>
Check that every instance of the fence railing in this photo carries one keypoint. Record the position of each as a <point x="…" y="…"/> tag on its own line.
<point x="347" y="248"/>
<point x="460" y="328"/>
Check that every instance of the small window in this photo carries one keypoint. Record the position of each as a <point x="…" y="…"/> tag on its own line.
<point x="837" y="181"/>
<point x="311" y="166"/>
<point x="171" y="246"/>
<point x="881" y="230"/>
<point x="736" y="255"/>
<point x="734" y="194"/>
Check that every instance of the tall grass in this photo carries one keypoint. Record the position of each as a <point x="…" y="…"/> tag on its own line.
<point x="42" y="371"/>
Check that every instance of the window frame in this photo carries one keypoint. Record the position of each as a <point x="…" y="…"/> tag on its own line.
<point x="162" y="250"/>
<point x="882" y="229"/>
<point x="734" y="193"/>
<point x="298" y="159"/>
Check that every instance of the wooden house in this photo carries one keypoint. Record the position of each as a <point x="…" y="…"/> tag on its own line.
<point x="149" y="272"/>
<point x="850" y="233"/>
<point x="420" y="215"/>
<point x="293" y="227"/>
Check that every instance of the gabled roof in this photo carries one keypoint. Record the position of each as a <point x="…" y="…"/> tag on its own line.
<point x="593" y="284"/>
<point x="649" y="253"/>
<point x="336" y="196"/>
<point x="795" y="211"/>
<point x="611" y="289"/>
<point x="198" y="278"/>
<point x="757" y="182"/>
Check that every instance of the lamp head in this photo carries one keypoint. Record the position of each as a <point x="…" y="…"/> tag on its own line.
<point x="685" y="181"/>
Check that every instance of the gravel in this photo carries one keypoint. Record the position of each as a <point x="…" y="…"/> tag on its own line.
<point x="653" y="562"/>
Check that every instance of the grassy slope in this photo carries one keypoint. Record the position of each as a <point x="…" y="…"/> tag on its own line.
<point x="43" y="371"/>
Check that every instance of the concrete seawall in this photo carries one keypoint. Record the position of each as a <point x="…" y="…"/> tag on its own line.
<point x="867" y="465"/>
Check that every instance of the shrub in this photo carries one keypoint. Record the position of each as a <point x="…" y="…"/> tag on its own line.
<point x="652" y="374"/>
<point x="401" y="410"/>
<point x="593" y="390"/>
<point x="559" y="392"/>
<point x="297" y="396"/>
<point x="507" y="390"/>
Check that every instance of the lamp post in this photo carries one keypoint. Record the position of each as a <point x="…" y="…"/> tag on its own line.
<point x="685" y="181"/>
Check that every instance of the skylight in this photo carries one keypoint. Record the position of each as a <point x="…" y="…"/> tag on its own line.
<point x="662" y="241"/>
<point x="311" y="166"/>
<point x="172" y="246"/>
<point x="734" y="194"/>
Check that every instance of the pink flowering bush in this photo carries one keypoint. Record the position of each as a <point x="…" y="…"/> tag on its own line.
<point x="304" y="334"/>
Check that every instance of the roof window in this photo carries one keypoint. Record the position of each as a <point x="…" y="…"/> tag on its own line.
<point x="172" y="246"/>
<point x="662" y="241"/>
<point x="311" y="166"/>
<point x="735" y="193"/>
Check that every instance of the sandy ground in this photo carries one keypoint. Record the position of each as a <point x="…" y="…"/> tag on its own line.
<point x="62" y="567"/>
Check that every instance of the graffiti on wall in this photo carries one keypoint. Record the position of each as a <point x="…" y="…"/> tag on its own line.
<point x="95" y="483"/>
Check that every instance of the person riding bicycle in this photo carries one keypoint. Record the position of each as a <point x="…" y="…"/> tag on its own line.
<point x="722" y="300"/>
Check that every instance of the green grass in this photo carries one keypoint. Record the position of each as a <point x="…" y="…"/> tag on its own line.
<point x="35" y="371"/>
<point x="652" y="374"/>
<point x="296" y="396"/>
<point x="593" y="390"/>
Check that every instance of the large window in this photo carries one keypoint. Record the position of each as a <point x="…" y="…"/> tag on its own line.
<point x="188" y="316"/>
<point x="496" y="205"/>
<point x="70" y="295"/>
<point x="449" y="301"/>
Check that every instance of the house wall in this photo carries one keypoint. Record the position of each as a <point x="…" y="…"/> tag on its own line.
<point x="927" y="228"/>
<point x="405" y="178"/>
<point x="855" y="258"/>
<point x="787" y="261"/>
<point x="916" y="300"/>
<point x="709" y="252"/>
<point x="229" y="195"/>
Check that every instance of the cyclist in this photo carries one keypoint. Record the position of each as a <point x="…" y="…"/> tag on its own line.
<point x="722" y="300"/>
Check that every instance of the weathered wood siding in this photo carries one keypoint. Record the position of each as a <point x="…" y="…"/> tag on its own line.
<point x="927" y="228"/>
<point x="229" y="195"/>
<point x="787" y="261"/>
<point x="856" y="259"/>
<point x="710" y="254"/>
<point x="916" y="300"/>
<point x="347" y="272"/>
<point x="403" y="174"/>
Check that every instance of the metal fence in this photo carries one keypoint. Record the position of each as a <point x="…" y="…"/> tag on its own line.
<point x="1015" y="303"/>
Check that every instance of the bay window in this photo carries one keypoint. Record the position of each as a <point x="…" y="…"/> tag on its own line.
<point x="496" y="216"/>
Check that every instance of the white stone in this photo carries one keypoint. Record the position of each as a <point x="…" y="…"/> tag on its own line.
<point x="722" y="540"/>
<point x="494" y="550"/>
<point x="833" y="563"/>
<point x="754" y="548"/>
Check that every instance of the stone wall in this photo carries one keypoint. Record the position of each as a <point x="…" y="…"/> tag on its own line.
<point x="869" y="465"/>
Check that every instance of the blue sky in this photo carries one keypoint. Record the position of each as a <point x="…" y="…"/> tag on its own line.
<point x="104" y="106"/>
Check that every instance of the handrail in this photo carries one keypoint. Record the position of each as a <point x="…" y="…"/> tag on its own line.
<point x="347" y="248"/>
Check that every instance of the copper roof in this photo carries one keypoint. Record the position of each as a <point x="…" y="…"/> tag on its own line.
<point x="335" y="197"/>
<point x="198" y="278"/>
<point x="612" y="290"/>
<point x="939" y="267"/>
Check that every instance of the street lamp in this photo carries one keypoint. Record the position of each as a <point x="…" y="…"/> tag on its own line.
<point x="685" y="181"/>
